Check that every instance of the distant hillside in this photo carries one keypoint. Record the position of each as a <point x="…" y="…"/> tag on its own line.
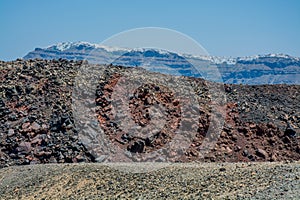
<point x="261" y="69"/>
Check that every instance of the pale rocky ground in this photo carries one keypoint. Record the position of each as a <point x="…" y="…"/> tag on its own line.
<point x="260" y="180"/>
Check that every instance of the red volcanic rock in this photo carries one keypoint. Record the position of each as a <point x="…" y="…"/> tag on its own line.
<point x="261" y="123"/>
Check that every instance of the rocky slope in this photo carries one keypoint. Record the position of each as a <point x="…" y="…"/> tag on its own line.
<point x="252" y="70"/>
<point x="38" y="126"/>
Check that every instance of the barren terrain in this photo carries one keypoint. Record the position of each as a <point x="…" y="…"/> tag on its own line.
<point x="255" y="154"/>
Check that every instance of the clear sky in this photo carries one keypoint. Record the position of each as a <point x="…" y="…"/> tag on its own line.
<point x="222" y="27"/>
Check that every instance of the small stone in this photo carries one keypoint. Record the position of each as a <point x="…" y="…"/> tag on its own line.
<point x="286" y="140"/>
<point x="228" y="149"/>
<point x="228" y="88"/>
<point x="52" y="160"/>
<point x="24" y="147"/>
<point x="43" y="153"/>
<point x="101" y="158"/>
<point x="290" y="131"/>
<point x="37" y="139"/>
<point x="261" y="153"/>
<point x="238" y="148"/>
<point x="245" y="153"/>
<point x="11" y="132"/>
<point x="44" y="126"/>
<point x="223" y="134"/>
<point x="79" y="158"/>
<point x="273" y="157"/>
<point x="172" y="154"/>
<point x="34" y="162"/>
<point x="35" y="126"/>
<point x="194" y="152"/>
<point x="25" y="125"/>
<point x="235" y="137"/>
<point x="176" y="103"/>
<point x="137" y="147"/>
<point x="222" y="169"/>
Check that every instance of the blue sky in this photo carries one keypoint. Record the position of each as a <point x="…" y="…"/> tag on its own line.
<point x="222" y="27"/>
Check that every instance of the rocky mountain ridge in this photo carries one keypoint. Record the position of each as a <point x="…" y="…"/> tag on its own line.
<point x="260" y="69"/>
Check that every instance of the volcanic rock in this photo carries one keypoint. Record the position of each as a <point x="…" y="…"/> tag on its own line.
<point x="262" y="153"/>
<point x="37" y="122"/>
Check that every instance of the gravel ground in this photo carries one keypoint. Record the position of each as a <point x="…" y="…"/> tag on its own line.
<point x="277" y="180"/>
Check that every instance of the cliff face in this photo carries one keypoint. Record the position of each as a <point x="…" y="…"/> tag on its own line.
<point x="262" y="69"/>
<point x="39" y="117"/>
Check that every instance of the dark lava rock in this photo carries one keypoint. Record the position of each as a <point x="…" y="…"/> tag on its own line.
<point x="37" y="123"/>
<point x="290" y="131"/>
<point x="262" y="153"/>
<point x="137" y="147"/>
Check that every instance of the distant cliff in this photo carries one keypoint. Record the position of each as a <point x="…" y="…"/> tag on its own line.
<point x="261" y="69"/>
